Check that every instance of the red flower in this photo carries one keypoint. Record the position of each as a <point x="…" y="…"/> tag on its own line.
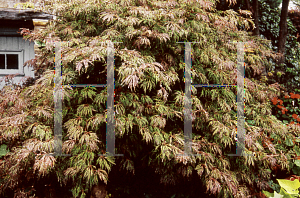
<point x="274" y="100"/>
<point x="286" y="96"/>
<point x="295" y="116"/>
<point x="297" y="95"/>
<point x="292" y="122"/>
<point x="293" y="95"/>
<point x="298" y="119"/>
<point x="280" y="102"/>
<point x="280" y="107"/>
<point x="284" y="110"/>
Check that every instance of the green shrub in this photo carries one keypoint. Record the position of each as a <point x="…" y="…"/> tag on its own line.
<point x="288" y="189"/>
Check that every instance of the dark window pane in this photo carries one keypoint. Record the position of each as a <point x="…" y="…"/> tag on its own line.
<point x="12" y="61"/>
<point x="2" y="61"/>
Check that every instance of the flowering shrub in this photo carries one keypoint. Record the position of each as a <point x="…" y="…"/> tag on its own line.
<point x="287" y="110"/>
<point x="291" y="104"/>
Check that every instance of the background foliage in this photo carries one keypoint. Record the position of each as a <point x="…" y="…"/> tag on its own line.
<point x="149" y="95"/>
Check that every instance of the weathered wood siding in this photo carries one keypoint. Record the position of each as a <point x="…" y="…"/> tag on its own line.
<point x="17" y="43"/>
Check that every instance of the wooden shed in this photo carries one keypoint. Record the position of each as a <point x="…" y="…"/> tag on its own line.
<point x="14" y="50"/>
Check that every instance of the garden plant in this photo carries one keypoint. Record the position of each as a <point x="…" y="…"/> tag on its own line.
<point x="149" y="104"/>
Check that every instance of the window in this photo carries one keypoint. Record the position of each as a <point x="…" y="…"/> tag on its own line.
<point x="11" y="62"/>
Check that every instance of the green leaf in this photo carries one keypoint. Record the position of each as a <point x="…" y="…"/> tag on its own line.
<point x="268" y="194"/>
<point x="3" y="150"/>
<point x="297" y="162"/>
<point x="297" y="150"/>
<point x="283" y="194"/>
<point x="285" y="121"/>
<point x="252" y="122"/>
<point x="289" y="142"/>
<point x="291" y="187"/>
<point x="296" y="170"/>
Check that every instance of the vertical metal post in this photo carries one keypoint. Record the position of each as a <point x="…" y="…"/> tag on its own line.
<point x="240" y="101"/>
<point x="110" y="132"/>
<point x="187" y="102"/>
<point x="58" y="103"/>
<point x="240" y="136"/>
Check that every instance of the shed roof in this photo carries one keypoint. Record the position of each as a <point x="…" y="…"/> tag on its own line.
<point x="22" y="14"/>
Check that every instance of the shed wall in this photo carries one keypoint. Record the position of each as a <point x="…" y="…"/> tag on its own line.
<point x="17" y="43"/>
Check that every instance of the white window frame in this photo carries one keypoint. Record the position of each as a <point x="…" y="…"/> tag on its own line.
<point x="19" y="71"/>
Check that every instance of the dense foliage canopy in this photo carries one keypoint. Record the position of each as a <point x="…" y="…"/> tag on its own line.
<point x="149" y="100"/>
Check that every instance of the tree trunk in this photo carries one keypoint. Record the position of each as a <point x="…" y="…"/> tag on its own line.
<point x="248" y="5"/>
<point x="256" y="30"/>
<point x="255" y="15"/>
<point x="283" y="30"/>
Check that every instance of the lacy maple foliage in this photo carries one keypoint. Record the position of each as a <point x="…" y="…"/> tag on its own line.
<point x="149" y="98"/>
